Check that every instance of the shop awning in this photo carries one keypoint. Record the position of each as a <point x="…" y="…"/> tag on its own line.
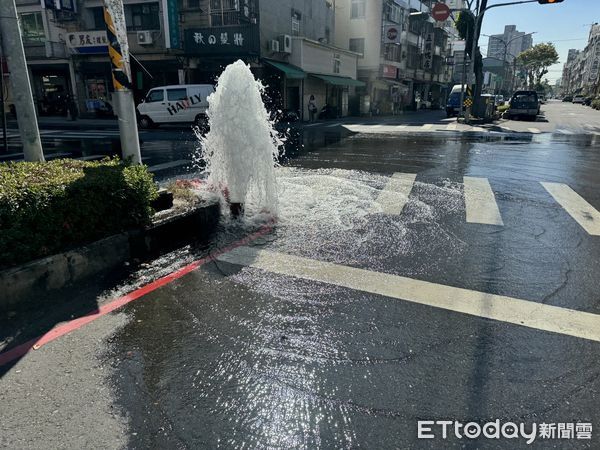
<point x="291" y="72"/>
<point x="338" y="81"/>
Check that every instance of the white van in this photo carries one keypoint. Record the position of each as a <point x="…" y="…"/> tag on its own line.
<point x="183" y="103"/>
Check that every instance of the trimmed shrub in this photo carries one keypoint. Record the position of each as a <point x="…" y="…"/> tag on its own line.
<point x="49" y="207"/>
<point x="596" y="103"/>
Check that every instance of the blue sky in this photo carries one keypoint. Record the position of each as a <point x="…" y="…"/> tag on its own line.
<point x="566" y="24"/>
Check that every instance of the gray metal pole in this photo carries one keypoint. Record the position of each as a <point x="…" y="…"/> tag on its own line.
<point x="2" y="101"/>
<point x="114" y="17"/>
<point x="19" y="80"/>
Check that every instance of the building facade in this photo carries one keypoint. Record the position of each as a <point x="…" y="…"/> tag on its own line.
<point x="403" y="51"/>
<point x="581" y="71"/>
<point x="508" y="45"/>
<point x="186" y="41"/>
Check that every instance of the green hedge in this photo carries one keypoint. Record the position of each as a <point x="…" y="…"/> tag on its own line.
<point x="46" y="208"/>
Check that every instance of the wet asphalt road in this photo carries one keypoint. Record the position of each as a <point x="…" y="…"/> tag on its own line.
<point x="235" y="356"/>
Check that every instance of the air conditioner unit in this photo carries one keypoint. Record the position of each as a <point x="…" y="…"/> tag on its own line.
<point x="285" y="43"/>
<point x="144" y="37"/>
<point x="274" y="45"/>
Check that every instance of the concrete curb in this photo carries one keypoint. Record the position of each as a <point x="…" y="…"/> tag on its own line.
<point x="32" y="281"/>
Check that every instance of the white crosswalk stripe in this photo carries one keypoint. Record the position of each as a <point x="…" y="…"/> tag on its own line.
<point x="534" y="130"/>
<point x="480" y="202"/>
<point x="394" y="196"/>
<point x="579" y="209"/>
<point x="568" y="132"/>
<point x="427" y="126"/>
<point x="501" y="308"/>
<point x="452" y="127"/>
<point x="169" y="165"/>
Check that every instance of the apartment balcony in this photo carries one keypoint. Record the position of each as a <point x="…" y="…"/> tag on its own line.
<point x="34" y="50"/>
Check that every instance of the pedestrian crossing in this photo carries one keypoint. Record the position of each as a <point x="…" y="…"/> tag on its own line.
<point x="459" y="128"/>
<point x="480" y="202"/>
<point x="481" y="206"/>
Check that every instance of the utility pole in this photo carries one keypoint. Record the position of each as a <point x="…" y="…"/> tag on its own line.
<point x="2" y="101"/>
<point x="12" y="42"/>
<point x="118" y="50"/>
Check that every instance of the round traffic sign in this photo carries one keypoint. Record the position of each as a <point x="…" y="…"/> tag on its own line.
<point x="440" y="12"/>
<point x="392" y="34"/>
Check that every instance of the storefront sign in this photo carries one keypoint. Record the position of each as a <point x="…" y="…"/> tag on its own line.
<point x="238" y="40"/>
<point x="392" y="34"/>
<point x="87" y="42"/>
<point x="389" y="72"/>
<point x="428" y="53"/>
<point x="171" y="21"/>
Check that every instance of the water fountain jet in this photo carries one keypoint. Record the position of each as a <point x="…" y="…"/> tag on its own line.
<point x="241" y="149"/>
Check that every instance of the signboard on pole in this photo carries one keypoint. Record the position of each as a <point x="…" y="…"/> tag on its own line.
<point x="391" y="34"/>
<point x="171" y="21"/>
<point x="87" y="42"/>
<point x="440" y="12"/>
<point x="428" y="54"/>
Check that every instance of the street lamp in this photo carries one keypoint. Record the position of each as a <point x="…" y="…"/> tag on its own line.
<point x="506" y="44"/>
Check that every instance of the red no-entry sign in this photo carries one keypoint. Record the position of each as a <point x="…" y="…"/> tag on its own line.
<point x="440" y="12"/>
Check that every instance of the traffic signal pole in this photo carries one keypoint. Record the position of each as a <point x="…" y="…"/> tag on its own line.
<point x="12" y="44"/>
<point x="118" y="50"/>
<point x="479" y="21"/>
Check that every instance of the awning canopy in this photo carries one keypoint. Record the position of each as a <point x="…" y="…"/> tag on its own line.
<point x="291" y="72"/>
<point x="338" y="81"/>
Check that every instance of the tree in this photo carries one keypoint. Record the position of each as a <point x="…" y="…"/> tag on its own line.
<point x="536" y="61"/>
<point x="465" y="24"/>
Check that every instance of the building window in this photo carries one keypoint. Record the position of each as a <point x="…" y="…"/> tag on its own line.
<point x="392" y="52"/>
<point x="193" y="4"/>
<point x="358" y="9"/>
<point x="230" y="12"/>
<point x="32" y="27"/>
<point x="296" y="19"/>
<point x="395" y="14"/>
<point x="412" y="57"/>
<point x="98" y="18"/>
<point x="357" y="45"/>
<point x="144" y="17"/>
<point x="337" y="63"/>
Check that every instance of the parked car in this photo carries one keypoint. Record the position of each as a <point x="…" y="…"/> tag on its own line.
<point x="567" y="98"/>
<point x="588" y="101"/>
<point x="524" y="104"/>
<point x="580" y="99"/>
<point x="453" y="103"/>
<point x="175" y="104"/>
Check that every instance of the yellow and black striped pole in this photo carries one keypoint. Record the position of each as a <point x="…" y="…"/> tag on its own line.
<point x="121" y="76"/>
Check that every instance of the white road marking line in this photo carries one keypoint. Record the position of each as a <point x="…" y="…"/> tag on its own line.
<point x="480" y="202"/>
<point x="452" y="127"/>
<point x="400" y="127"/>
<point x="427" y="126"/>
<point x="512" y="310"/>
<point x="312" y="125"/>
<point x="564" y="132"/>
<point x="580" y="210"/>
<point x="333" y="125"/>
<point x="169" y="165"/>
<point x="91" y="157"/>
<point x="534" y="130"/>
<point x="394" y="195"/>
<point x="479" y="130"/>
<point x="56" y="155"/>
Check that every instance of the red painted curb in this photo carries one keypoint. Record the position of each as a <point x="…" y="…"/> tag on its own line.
<point x="65" y="328"/>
